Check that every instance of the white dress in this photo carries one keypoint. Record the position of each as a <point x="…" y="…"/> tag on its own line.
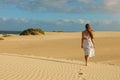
<point x="88" y="46"/>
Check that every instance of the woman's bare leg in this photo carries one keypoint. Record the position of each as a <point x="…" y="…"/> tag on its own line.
<point x="86" y="60"/>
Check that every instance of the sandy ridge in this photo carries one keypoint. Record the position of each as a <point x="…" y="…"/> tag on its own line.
<point x="17" y="67"/>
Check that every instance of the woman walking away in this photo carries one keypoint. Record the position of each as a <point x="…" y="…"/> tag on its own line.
<point x="87" y="43"/>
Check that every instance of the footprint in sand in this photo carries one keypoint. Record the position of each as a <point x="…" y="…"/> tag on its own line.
<point x="80" y="75"/>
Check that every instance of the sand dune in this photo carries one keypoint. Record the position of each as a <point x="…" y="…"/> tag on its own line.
<point x="17" y="67"/>
<point x="64" y="45"/>
<point x="58" y="56"/>
<point x="28" y="68"/>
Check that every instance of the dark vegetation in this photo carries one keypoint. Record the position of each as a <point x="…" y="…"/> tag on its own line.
<point x="32" y="31"/>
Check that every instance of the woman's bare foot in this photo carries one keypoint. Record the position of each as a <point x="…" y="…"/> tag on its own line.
<point x="86" y="64"/>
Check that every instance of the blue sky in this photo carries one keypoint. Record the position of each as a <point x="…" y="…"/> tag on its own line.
<point x="67" y="15"/>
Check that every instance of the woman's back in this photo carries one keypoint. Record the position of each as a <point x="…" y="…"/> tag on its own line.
<point x="86" y="35"/>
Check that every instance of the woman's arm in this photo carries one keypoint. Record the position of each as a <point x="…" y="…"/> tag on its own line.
<point x="93" y="42"/>
<point x="82" y="41"/>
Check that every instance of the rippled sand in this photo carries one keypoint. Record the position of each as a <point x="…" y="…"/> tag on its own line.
<point x="16" y="67"/>
<point x="58" y="56"/>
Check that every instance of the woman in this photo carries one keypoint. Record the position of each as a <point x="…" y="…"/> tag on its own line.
<point x="88" y="43"/>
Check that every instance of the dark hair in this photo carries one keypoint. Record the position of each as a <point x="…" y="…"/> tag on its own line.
<point x="89" y="29"/>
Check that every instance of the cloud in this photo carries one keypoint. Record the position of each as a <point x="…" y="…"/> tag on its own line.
<point x="104" y="22"/>
<point x="36" y="4"/>
<point x="75" y="6"/>
<point x="111" y="5"/>
<point x="65" y="24"/>
<point x="4" y="18"/>
<point x="85" y="1"/>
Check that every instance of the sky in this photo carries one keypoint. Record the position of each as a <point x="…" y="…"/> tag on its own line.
<point x="66" y="15"/>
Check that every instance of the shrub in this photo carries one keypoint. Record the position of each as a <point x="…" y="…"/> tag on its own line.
<point x="1" y="38"/>
<point x="32" y="31"/>
<point x="6" y="35"/>
<point x="59" y="31"/>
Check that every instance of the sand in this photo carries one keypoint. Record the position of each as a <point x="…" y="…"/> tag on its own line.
<point x="17" y="67"/>
<point x="58" y="56"/>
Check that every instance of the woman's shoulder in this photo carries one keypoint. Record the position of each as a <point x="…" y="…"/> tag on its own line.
<point x="84" y="31"/>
